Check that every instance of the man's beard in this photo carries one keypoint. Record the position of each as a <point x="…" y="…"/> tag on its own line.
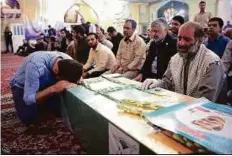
<point x="94" y="46"/>
<point x="188" y="51"/>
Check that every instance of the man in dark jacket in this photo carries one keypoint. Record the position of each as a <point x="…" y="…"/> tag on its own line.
<point x="115" y="38"/>
<point x="161" y="50"/>
<point x="81" y="44"/>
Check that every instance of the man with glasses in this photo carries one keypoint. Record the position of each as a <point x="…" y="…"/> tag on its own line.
<point x="195" y="70"/>
<point x="202" y="17"/>
<point x="216" y="41"/>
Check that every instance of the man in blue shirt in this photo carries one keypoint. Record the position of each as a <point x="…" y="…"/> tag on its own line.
<point x="39" y="81"/>
<point x="227" y="26"/>
<point x="216" y="41"/>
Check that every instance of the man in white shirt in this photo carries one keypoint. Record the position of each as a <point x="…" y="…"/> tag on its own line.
<point x="101" y="58"/>
<point x="202" y="17"/>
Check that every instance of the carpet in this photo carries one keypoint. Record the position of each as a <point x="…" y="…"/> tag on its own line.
<point x="48" y="137"/>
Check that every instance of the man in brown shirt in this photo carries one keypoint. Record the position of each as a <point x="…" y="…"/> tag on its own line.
<point x="131" y="52"/>
<point x="202" y="17"/>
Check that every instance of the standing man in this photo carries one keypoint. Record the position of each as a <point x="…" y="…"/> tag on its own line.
<point x="131" y="52"/>
<point x="38" y="82"/>
<point x="8" y="39"/>
<point x="115" y="38"/>
<point x="202" y="17"/>
<point x="216" y="41"/>
<point x="160" y="51"/>
<point x="195" y="70"/>
<point x="101" y="58"/>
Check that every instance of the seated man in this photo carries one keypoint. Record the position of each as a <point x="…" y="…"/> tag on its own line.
<point x="102" y="38"/>
<point x="195" y="70"/>
<point x="131" y="52"/>
<point x="101" y="58"/>
<point x="160" y="51"/>
<point x="38" y="82"/>
<point x="216" y="41"/>
<point x="227" y="65"/>
<point x="25" y="49"/>
<point x="41" y="45"/>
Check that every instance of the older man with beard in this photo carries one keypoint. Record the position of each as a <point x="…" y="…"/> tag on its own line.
<point x="195" y="70"/>
<point x="160" y="51"/>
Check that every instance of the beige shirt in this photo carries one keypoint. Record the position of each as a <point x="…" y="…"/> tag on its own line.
<point x="101" y="58"/>
<point x="203" y="19"/>
<point x="131" y="54"/>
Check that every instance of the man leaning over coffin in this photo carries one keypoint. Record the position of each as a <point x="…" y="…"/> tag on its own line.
<point x="195" y="70"/>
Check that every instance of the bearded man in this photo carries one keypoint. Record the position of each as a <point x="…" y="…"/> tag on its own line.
<point x="195" y="70"/>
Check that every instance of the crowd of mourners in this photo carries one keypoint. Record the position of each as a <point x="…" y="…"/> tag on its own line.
<point x="189" y="57"/>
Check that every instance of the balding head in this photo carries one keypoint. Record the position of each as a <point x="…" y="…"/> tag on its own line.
<point x="190" y="37"/>
<point x="195" y="28"/>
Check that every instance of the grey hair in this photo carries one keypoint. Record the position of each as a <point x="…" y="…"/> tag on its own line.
<point x="161" y="22"/>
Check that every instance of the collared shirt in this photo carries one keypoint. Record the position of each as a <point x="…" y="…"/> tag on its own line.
<point x="36" y="73"/>
<point x="203" y="19"/>
<point x="107" y="43"/>
<point x="101" y="58"/>
<point x="219" y="45"/>
<point x="131" y="53"/>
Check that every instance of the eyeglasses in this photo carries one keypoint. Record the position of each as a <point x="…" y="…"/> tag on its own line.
<point x="213" y="25"/>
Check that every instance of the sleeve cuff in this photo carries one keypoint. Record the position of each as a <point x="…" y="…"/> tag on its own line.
<point x="29" y="100"/>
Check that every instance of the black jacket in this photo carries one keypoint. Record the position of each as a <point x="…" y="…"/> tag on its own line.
<point x="116" y="41"/>
<point x="164" y="51"/>
<point x="82" y="51"/>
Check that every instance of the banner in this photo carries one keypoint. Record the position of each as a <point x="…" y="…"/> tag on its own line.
<point x="120" y="143"/>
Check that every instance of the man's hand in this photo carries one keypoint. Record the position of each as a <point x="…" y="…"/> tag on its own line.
<point x="150" y="83"/>
<point x="139" y="78"/>
<point x="85" y="75"/>
<point x="119" y="71"/>
<point x="62" y="85"/>
<point x="113" y="70"/>
<point x="81" y="81"/>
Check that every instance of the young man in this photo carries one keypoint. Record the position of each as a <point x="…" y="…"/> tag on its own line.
<point x="216" y="41"/>
<point x="79" y="48"/>
<point x="202" y="17"/>
<point x="39" y="80"/>
<point x="101" y="58"/>
<point x="115" y="38"/>
<point x="195" y="70"/>
<point x="176" y="22"/>
<point x="131" y="52"/>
